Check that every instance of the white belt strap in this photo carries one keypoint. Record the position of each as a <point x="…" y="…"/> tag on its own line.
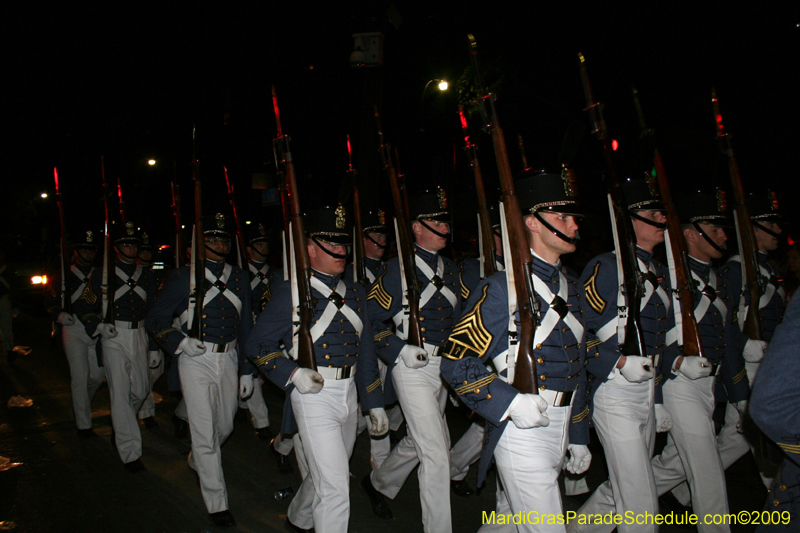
<point x="431" y="289"/>
<point x="508" y="360"/>
<point x="769" y="292"/>
<point x="330" y="310"/>
<point x="84" y="281"/>
<point x="552" y="317"/>
<point x="260" y="275"/>
<point x="124" y="288"/>
<point x="214" y="291"/>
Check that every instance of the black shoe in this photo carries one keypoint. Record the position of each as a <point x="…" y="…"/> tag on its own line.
<point x="379" y="505"/>
<point x="264" y="433"/>
<point x="461" y="488"/>
<point x="86" y="433"/>
<point x="288" y="526"/>
<point x="670" y="504"/>
<point x="394" y="438"/>
<point x="242" y="415"/>
<point x="181" y="427"/>
<point x="134" y="466"/>
<point x="150" y="422"/>
<point x="222" y="519"/>
<point x="284" y="466"/>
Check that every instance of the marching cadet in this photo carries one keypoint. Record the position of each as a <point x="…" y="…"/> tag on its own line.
<point x="86" y="374"/>
<point x="209" y="366"/>
<point x="155" y="358"/>
<point x="529" y="451"/>
<point x="415" y="370"/>
<point x="262" y="278"/>
<point x="376" y="236"/>
<point x="627" y="405"/>
<point x="774" y="406"/>
<point x="691" y="451"/>
<point x="324" y="402"/>
<point x="124" y="342"/>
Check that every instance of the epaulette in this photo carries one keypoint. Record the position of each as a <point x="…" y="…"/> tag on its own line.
<point x="592" y="294"/>
<point x="469" y="335"/>
<point x="378" y="292"/>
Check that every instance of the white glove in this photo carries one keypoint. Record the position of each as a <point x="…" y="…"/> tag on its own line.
<point x="579" y="458"/>
<point x="107" y="331"/>
<point x="414" y="356"/>
<point x="380" y="422"/>
<point x="65" y="319"/>
<point x="742" y="408"/>
<point x="637" y="368"/>
<point x="153" y="359"/>
<point x="528" y="411"/>
<point x="306" y="380"/>
<point x="663" y="419"/>
<point x="694" y="367"/>
<point x="191" y="347"/>
<point x="754" y="350"/>
<point x="245" y="386"/>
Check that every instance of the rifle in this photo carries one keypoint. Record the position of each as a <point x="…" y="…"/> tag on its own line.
<point x="488" y="248"/>
<point x="240" y="252"/>
<point x="633" y="279"/>
<point x="405" y="244"/>
<point x="66" y="300"/>
<point x="359" y="255"/>
<point x="109" y="276"/>
<point x="304" y="342"/>
<point x="692" y="344"/>
<point x="198" y="262"/>
<point x="176" y="210"/>
<point x="522" y="153"/>
<point x="121" y="202"/>
<point x="525" y="379"/>
<point x="744" y="230"/>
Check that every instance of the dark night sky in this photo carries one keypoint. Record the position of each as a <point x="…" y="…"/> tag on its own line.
<point x="129" y="81"/>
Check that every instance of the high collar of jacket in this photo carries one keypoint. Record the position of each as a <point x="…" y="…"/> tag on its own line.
<point x="258" y="264"/>
<point x="700" y="268"/>
<point x="373" y="263"/>
<point x="431" y="258"/>
<point x="128" y="268"/>
<point x="543" y="269"/>
<point x="329" y="280"/>
<point x="644" y="255"/>
<point x="215" y="267"/>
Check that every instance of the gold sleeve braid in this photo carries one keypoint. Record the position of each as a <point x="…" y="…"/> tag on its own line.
<point x="267" y="358"/>
<point x="469" y="336"/>
<point x="580" y="416"/>
<point x="464" y="289"/>
<point x="738" y="377"/>
<point x="374" y="385"/>
<point x="378" y="292"/>
<point x="382" y="335"/>
<point x="475" y="385"/>
<point x="790" y="448"/>
<point x="592" y="295"/>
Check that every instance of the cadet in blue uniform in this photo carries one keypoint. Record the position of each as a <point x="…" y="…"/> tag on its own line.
<point x="155" y="358"/>
<point x="86" y="375"/>
<point x="529" y="451"/>
<point x="627" y="404"/>
<point x="775" y="407"/>
<point x="125" y="342"/>
<point x="415" y="370"/>
<point x="691" y="451"/>
<point x="209" y="366"/>
<point x="324" y="402"/>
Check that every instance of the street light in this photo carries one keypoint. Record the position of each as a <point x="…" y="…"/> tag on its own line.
<point x="43" y="195"/>
<point x="151" y="162"/>
<point x="442" y="85"/>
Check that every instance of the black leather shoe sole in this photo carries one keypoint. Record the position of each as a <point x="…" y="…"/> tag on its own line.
<point x="288" y="526"/>
<point x="379" y="506"/>
<point x="150" y="422"/>
<point x="135" y="466"/>
<point x="264" y="433"/>
<point x="222" y="519"/>
<point x="86" y="433"/>
<point x="461" y="488"/>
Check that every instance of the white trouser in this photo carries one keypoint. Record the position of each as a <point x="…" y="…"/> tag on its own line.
<point x="422" y="396"/>
<point x="125" y="361"/>
<point x="528" y="465"/>
<point x="691" y="451"/>
<point x="149" y="407"/>
<point x="503" y="508"/>
<point x="6" y="320"/>
<point x="180" y="409"/>
<point x="210" y="385"/>
<point x="624" y="419"/>
<point x="326" y="422"/>
<point x="378" y="448"/>
<point x="282" y="445"/>
<point x="259" y="414"/>
<point x="466" y="451"/>
<point x="85" y="376"/>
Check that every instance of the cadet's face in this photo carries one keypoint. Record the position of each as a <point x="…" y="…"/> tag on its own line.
<point x="127" y="252"/>
<point x="767" y="242"/>
<point x="85" y="257"/>
<point x="145" y="255"/>
<point x="429" y="240"/>
<point x="259" y="250"/>
<point x="371" y="249"/>
<point x="217" y="248"/>
<point x="324" y="262"/>
<point x="647" y="236"/>
<point x="716" y="234"/>
<point x="550" y="246"/>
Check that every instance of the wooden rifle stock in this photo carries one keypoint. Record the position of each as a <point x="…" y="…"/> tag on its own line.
<point x="405" y="242"/>
<point x="359" y="255"/>
<point x="633" y="279"/>
<point x="109" y="275"/>
<point x="305" y="344"/>
<point x="744" y="227"/>
<point x="692" y="344"/>
<point x="488" y="247"/>
<point x="122" y="211"/>
<point x="176" y="211"/>
<point x="199" y="256"/>
<point x="66" y="300"/>
<point x="241" y="253"/>
<point x="525" y="379"/>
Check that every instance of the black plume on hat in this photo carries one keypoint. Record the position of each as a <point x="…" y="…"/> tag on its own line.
<point x="548" y="192"/>
<point x="429" y="205"/>
<point x="329" y="224"/>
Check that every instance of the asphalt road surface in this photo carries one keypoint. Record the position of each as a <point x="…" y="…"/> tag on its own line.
<point x="68" y="484"/>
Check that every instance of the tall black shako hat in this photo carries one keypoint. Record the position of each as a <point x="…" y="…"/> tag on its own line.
<point x="705" y="208"/>
<point x="430" y="205"/>
<point x="256" y="233"/>
<point x="329" y="224"/>
<point x="216" y="226"/>
<point x="642" y="194"/>
<point x="374" y="221"/>
<point x="546" y="191"/>
<point x="125" y="233"/>
<point x="764" y="208"/>
<point x="146" y="245"/>
<point x="86" y="240"/>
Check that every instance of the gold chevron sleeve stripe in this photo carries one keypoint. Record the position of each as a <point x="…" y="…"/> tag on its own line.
<point x="88" y="295"/>
<point x="790" y="448"/>
<point x="739" y="377"/>
<point x="374" y="385"/>
<point x="659" y="379"/>
<point x="382" y="335"/>
<point x="580" y="416"/>
<point x="472" y="387"/>
<point x="592" y="343"/>
<point x="378" y="293"/>
<point x="469" y="336"/>
<point x="267" y="358"/>
<point x="592" y="295"/>
<point x="161" y="334"/>
<point x="464" y="289"/>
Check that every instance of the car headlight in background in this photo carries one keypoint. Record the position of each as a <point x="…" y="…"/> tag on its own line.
<point x="39" y="280"/>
